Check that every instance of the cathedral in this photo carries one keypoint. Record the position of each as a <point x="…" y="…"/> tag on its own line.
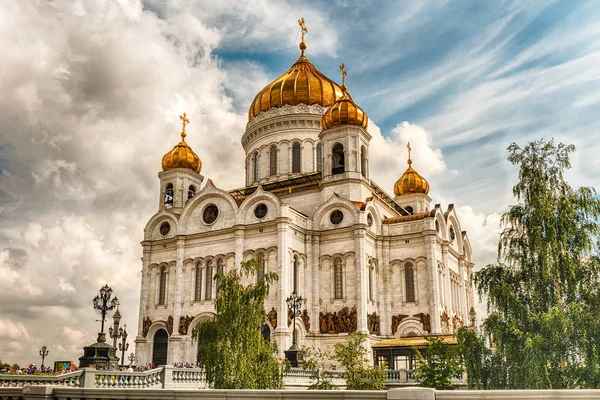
<point x="391" y="267"/>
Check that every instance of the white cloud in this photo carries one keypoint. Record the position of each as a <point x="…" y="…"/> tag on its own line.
<point x="10" y="330"/>
<point x="388" y="154"/>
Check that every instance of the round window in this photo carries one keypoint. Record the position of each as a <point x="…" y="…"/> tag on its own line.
<point x="260" y="211"/>
<point x="336" y="217"/>
<point x="165" y="228"/>
<point x="210" y="214"/>
<point x="369" y="220"/>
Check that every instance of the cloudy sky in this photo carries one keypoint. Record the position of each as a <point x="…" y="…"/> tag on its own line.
<point x="91" y="92"/>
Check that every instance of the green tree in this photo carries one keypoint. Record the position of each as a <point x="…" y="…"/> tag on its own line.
<point x="315" y="361"/>
<point x="230" y="347"/>
<point x="359" y="372"/>
<point x="543" y="299"/>
<point x="437" y="364"/>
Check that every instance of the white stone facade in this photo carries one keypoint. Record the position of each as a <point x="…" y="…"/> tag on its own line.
<point x="374" y="246"/>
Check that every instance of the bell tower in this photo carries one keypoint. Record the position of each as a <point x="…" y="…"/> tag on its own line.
<point x="344" y="138"/>
<point x="180" y="178"/>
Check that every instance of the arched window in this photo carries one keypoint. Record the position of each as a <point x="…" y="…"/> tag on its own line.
<point x="452" y="235"/>
<point x="370" y="280"/>
<point x="162" y="290"/>
<point x="295" y="275"/>
<point x="191" y="192"/>
<point x="261" y="267"/>
<point x="219" y="273"/>
<point x="296" y="156"/>
<point x="363" y="161"/>
<point x="273" y="160"/>
<point x="319" y="157"/>
<point x="255" y="166"/>
<point x="169" y="195"/>
<point x="337" y="277"/>
<point x="409" y="209"/>
<point x="208" y="281"/>
<point x="198" y="288"/>
<point x="409" y="280"/>
<point x="338" y="159"/>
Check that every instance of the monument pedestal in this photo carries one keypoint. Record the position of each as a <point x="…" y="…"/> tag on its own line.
<point x="100" y="355"/>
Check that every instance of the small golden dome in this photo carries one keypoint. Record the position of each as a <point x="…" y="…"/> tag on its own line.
<point x="411" y="181"/>
<point x="344" y="111"/>
<point x="301" y="84"/>
<point x="182" y="155"/>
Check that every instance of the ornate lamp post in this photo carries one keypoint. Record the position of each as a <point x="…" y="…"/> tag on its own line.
<point x="43" y="352"/>
<point x="473" y="318"/>
<point x="294" y="303"/>
<point x="131" y="358"/>
<point x="104" y="303"/>
<point x="123" y="345"/>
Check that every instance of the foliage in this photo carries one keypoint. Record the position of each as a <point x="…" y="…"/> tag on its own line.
<point x="437" y="364"/>
<point x="484" y="367"/>
<point x="231" y="347"/>
<point x="359" y="373"/>
<point x="543" y="298"/>
<point x="314" y="361"/>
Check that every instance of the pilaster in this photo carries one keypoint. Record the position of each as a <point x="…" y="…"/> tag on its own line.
<point x="434" y="304"/>
<point x="361" y="306"/>
<point x="282" y="332"/>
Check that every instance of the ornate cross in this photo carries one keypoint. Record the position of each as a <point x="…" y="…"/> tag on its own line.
<point x="302" y="27"/>
<point x="344" y="73"/>
<point x="184" y="122"/>
<point x="409" y="149"/>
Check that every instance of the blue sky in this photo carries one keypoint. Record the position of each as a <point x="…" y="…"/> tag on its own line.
<point x="92" y="91"/>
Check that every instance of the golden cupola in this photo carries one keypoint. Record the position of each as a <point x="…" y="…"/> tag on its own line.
<point x="301" y="84"/>
<point x="344" y="111"/>
<point x="182" y="155"/>
<point x="411" y="181"/>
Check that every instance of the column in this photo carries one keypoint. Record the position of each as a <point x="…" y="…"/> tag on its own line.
<point x="239" y="246"/>
<point x="385" y="295"/>
<point x="141" y="345"/>
<point x="361" y="296"/>
<point x="316" y="285"/>
<point x="447" y="284"/>
<point x="282" y="332"/>
<point x="463" y="291"/>
<point x="434" y="298"/>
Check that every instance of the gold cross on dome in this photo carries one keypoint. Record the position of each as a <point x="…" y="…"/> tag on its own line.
<point x="184" y="122"/>
<point x="344" y="73"/>
<point x="302" y="27"/>
<point x="409" y="149"/>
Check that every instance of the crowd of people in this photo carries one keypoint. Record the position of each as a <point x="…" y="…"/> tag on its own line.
<point x="31" y="369"/>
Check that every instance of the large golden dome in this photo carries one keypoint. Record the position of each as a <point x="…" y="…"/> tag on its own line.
<point x="301" y="84"/>
<point x="411" y="181"/>
<point x="344" y="111"/>
<point x="182" y="155"/>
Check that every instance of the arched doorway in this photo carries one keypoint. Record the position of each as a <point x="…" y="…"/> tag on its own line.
<point x="160" y="348"/>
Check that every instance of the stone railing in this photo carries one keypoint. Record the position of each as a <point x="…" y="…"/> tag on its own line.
<point x="126" y="380"/>
<point x="188" y="378"/>
<point x="72" y="379"/>
<point x="71" y="393"/>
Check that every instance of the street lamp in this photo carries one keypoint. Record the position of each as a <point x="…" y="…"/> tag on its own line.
<point x="473" y="317"/>
<point x="43" y="352"/>
<point x="123" y="346"/>
<point x="104" y="303"/>
<point x="294" y="303"/>
<point x="131" y="358"/>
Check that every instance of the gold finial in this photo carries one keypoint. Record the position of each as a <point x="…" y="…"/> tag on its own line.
<point x="117" y="303"/>
<point x="184" y="122"/>
<point x="409" y="149"/>
<point x="344" y="73"/>
<point x="303" y="31"/>
<point x="125" y="327"/>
